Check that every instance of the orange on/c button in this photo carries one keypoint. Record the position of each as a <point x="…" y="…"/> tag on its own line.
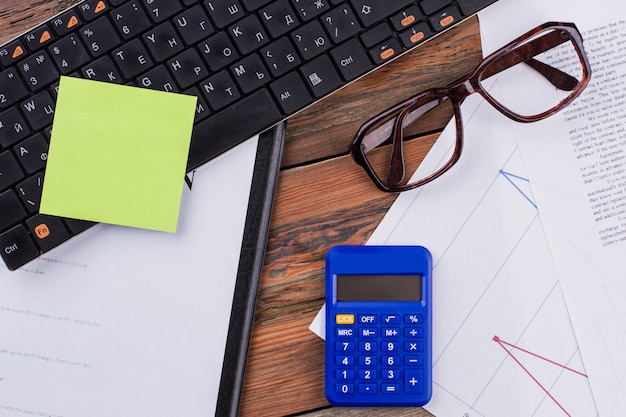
<point x="344" y="318"/>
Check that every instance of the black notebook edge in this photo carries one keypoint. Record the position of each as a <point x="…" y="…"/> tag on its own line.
<point x="251" y="259"/>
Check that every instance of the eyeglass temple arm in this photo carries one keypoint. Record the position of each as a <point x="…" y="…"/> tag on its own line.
<point x="526" y="54"/>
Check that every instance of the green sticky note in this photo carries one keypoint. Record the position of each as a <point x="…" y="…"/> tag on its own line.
<point x="118" y="154"/>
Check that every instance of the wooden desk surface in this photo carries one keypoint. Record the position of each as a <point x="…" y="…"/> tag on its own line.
<point x="323" y="199"/>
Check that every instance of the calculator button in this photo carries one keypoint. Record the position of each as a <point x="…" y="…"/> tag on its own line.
<point x="347" y="360"/>
<point x="413" y="332"/>
<point x="413" y="346"/>
<point x="411" y="360"/>
<point x="413" y="319"/>
<point x="344" y="346"/>
<point x="413" y="381"/>
<point x="390" y="374"/>
<point x="392" y="360"/>
<point x="390" y="346"/>
<point x="344" y="388"/>
<point x="367" y="388"/>
<point x="390" y="388"/>
<point x="368" y="319"/>
<point x="368" y="332"/>
<point x="391" y="319"/>
<point x="391" y="332"/>
<point x="367" y="374"/>
<point x="367" y="360"/>
<point x="344" y="318"/>
<point x="367" y="346"/>
<point x="345" y="331"/>
<point x="344" y="374"/>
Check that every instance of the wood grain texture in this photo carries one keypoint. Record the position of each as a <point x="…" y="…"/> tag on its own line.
<point x="323" y="199"/>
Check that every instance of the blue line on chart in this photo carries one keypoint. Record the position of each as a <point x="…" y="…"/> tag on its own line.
<point x="509" y="177"/>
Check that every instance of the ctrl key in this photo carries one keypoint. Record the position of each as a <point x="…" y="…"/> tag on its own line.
<point x="17" y="247"/>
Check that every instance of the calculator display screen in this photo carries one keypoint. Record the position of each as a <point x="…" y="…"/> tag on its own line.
<point x="379" y="288"/>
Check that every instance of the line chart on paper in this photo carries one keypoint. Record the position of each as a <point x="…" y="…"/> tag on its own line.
<point x="512" y="351"/>
<point x="514" y="179"/>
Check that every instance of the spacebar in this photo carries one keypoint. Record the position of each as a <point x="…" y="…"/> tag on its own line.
<point x="231" y="126"/>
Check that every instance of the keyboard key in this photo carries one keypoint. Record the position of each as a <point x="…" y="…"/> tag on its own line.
<point x="248" y="34"/>
<point x="386" y="51"/>
<point x="161" y="10"/>
<point x="370" y="12"/>
<point x="351" y="60"/>
<point x="91" y="9"/>
<point x="279" y="18"/>
<point x="193" y="25"/>
<point x="444" y="19"/>
<point x="99" y="37"/>
<point x="66" y="22"/>
<point x="376" y="34"/>
<point x="321" y="76"/>
<point x="220" y="90"/>
<point x="13" y="127"/>
<point x="218" y="51"/>
<point x="431" y="6"/>
<point x="311" y="40"/>
<point x="69" y="54"/>
<point x="132" y="58"/>
<point x="130" y="19"/>
<point x="202" y="107"/>
<point x="17" y="247"/>
<point x="406" y="18"/>
<point x="224" y="12"/>
<point x="280" y="57"/>
<point x="38" y="70"/>
<point x="38" y="38"/>
<point x="250" y="73"/>
<point x="29" y="192"/>
<point x="11" y="209"/>
<point x="103" y="69"/>
<point x="416" y="34"/>
<point x="49" y="231"/>
<point x="10" y="171"/>
<point x="341" y="24"/>
<point x="254" y="4"/>
<point x="163" y="42"/>
<point x="12" y="52"/>
<point x="227" y="128"/>
<point x="188" y="68"/>
<point x="12" y="88"/>
<point x="308" y="9"/>
<point x="158" y="79"/>
<point x="39" y="110"/>
<point x="75" y="226"/>
<point x="291" y="93"/>
<point x="32" y="153"/>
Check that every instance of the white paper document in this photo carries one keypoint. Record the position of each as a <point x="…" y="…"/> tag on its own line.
<point x="576" y="162"/>
<point x="129" y="322"/>
<point x="503" y="344"/>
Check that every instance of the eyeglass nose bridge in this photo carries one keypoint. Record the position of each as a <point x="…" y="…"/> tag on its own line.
<point x="461" y="89"/>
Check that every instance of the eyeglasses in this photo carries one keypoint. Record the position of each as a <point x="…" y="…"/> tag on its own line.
<point x="549" y="61"/>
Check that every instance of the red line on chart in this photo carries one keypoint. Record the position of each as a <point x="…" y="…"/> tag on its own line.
<point x="504" y="345"/>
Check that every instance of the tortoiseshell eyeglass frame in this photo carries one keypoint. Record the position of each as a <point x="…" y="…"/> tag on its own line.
<point x="521" y="50"/>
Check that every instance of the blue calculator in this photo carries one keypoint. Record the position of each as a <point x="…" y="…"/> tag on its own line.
<point x="378" y="326"/>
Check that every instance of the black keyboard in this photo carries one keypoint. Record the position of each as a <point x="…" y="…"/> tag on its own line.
<point x="251" y="63"/>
